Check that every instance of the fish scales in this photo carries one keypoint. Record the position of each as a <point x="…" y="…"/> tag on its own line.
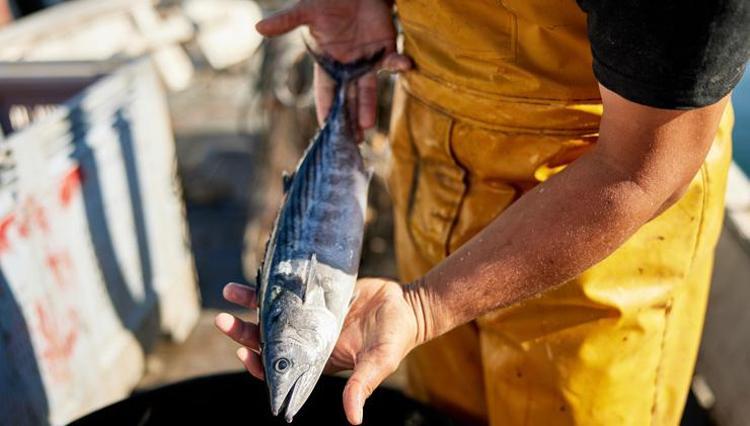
<point x="310" y="266"/>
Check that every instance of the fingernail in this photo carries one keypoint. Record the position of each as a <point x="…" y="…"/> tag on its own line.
<point x="231" y="291"/>
<point x="360" y="415"/>
<point x="227" y="290"/>
<point x="224" y="321"/>
<point x="243" y="354"/>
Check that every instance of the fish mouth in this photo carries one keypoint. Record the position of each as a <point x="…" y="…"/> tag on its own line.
<point x="292" y="403"/>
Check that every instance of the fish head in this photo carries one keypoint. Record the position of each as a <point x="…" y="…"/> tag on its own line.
<point x="290" y="375"/>
<point x="294" y="358"/>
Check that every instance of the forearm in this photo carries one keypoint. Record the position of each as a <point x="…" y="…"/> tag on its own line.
<point x="549" y="236"/>
<point x="644" y="159"/>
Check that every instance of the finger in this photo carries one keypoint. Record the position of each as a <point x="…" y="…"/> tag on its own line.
<point x="284" y="21"/>
<point x="244" y="333"/>
<point x="324" y="87"/>
<point x="368" y="374"/>
<point x="352" y="102"/>
<point x="367" y="100"/>
<point x="241" y="295"/>
<point x="251" y="361"/>
<point x="396" y="62"/>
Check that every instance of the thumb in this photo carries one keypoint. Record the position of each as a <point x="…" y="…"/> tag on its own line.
<point x="284" y="21"/>
<point x="396" y="62"/>
<point x="368" y="374"/>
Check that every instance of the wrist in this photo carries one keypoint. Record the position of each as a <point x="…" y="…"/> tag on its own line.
<point x="424" y="306"/>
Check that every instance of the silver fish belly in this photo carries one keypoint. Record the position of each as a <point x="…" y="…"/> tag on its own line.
<point x="312" y="257"/>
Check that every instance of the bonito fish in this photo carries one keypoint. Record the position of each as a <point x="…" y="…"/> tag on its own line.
<point x="310" y="266"/>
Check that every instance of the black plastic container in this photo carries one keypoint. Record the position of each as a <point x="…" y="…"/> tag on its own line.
<point x="238" y="399"/>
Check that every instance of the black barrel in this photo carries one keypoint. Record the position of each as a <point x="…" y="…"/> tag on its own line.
<point x="238" y="399"/>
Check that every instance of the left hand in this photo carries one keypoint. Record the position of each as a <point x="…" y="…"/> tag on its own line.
<point x="382" y="326"/>
<point x="345" y="30"/>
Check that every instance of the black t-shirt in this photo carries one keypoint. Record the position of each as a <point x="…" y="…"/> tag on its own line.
<point x="676" y="54"/>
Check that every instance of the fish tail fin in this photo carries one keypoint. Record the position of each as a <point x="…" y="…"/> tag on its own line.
<point x="343" y="73"/>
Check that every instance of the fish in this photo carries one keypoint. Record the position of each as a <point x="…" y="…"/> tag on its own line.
<point x="310" y="266"/>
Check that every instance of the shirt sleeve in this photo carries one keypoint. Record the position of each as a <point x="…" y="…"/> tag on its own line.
<point x="675" y="54"/>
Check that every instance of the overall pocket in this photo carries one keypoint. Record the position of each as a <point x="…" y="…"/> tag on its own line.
<point x="437" y="184"/>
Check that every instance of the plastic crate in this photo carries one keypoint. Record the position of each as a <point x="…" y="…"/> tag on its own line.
<point x="94" y="253"/>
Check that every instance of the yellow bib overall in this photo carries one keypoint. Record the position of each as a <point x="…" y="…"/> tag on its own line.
<point x="503" y="96"/>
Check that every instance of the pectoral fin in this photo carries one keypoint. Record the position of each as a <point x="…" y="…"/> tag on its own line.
<point x="310" y="276"/>
<point x="286" y="180"/>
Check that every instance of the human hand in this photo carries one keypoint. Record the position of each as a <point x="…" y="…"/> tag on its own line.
<point x="382" y="326"/>
<point x="345" y="30"/>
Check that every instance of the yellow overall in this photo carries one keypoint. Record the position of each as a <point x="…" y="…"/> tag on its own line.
<point x="503" y="96"/>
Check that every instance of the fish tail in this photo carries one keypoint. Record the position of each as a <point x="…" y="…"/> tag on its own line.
<point x="343" y="73"/>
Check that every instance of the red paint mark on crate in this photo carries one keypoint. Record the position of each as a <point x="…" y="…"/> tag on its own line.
<point x="71" y="182"/>
<point x="40" y="217"/>
<point x="61" y="266"/>
<point x="5" y="224"/>
<point x="59" y="343"/>
<point x="33" y="216"/>
<point x="24" y="228"/>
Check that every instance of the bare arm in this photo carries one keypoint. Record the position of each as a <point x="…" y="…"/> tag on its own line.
<point x="643" y="162"/>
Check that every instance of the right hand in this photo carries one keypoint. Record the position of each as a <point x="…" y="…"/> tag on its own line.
<point x="345" y="30"/>
<point x="383" y="324"/>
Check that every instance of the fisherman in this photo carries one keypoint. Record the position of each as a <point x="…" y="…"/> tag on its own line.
<point x="558" y="179"/>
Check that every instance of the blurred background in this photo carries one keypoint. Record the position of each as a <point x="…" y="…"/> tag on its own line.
<point x="141" y="154"/>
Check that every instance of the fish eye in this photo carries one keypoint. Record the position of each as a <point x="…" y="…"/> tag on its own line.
<point x="281" y="365"/>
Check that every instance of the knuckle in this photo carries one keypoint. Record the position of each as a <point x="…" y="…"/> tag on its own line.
<point x="365" y="387"/>
<point x="354" y="381"/>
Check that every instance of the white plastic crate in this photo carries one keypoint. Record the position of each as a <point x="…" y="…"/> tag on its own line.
<point x="94" y="253"/>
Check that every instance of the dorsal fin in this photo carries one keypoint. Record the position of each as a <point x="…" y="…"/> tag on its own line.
<point x="310" y="276"/>
<point x="286" y="180"/>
